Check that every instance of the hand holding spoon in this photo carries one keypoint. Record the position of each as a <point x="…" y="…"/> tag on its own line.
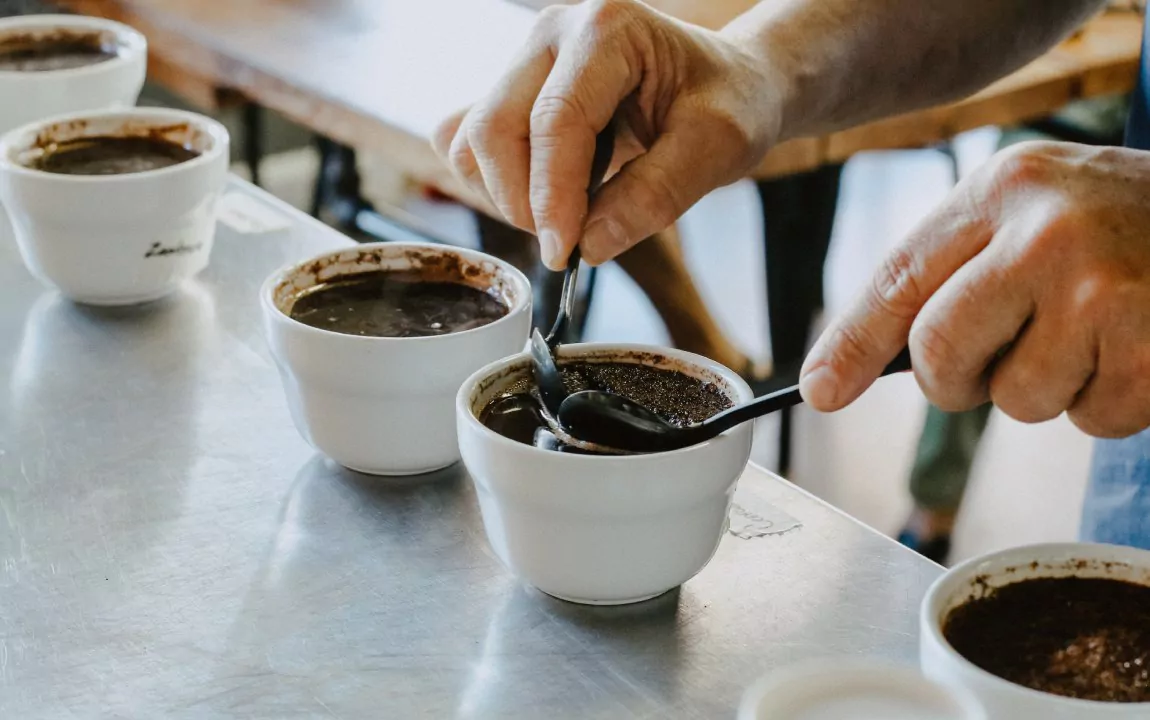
<point x="602" y="420"/>
<point x="546" y="369"/>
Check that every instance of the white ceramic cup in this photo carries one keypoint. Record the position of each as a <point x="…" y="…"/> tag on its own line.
<point x="383" y="405"/>
<point x="1001" y="698"/>
<point x="115" y="239"/>
<point x="854" y="688"/>
<point x="29" y="96"/>
<point x="596" y="529"/>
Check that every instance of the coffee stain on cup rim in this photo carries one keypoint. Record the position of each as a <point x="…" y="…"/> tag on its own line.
<point x="985" y="584"/>
<point x="431" y="263"/>
<point x="24" y="39"/>
<point x="50" y="137"/>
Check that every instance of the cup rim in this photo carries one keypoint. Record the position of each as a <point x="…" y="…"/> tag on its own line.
<point x="742" y="392"/>
<point x="214" y="129"/>
<point x="931" y="617"/>
<point x="522" y="286"/>
<point x="133" y="40"/>
<point x="816" y="671"/>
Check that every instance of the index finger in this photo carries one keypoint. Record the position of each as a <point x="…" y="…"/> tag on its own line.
<point x="852" y="352"/>
<point x="587" y="84"/>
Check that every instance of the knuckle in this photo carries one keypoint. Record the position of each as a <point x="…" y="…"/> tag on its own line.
<point x="934" y="350"/>
<point x="850" y="346"/>
<point x="939" y="367"/>
<point x="1024" y="164"/>
<point x="1094" y="296"/>
<point x="896" y="287"/>
<point x="606" y="13"/>
<point x="553" y="114"/>
<point x="462" y="159"/>
<point x="485" y="128"/>
<point x="1017" y="394"/>
<point x="478" y="132"/>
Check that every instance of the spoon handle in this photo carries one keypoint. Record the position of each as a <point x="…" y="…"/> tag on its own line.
<point x="604" y="149"/>
<point x="787" y="397"/>
<point x="566" y="298"/>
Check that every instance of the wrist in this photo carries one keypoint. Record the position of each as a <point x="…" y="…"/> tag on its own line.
<point x="790" y="84"/>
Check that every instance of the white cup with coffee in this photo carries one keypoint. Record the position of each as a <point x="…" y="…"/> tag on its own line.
<point x="115" y="207"/>
<point x="373" y="341"/>
<point x="1044" y="632"/>
<point x="603" y="529"/>
<point x="57" y="64"/>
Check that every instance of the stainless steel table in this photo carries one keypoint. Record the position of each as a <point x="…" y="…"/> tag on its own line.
<point x="170" y="547"/>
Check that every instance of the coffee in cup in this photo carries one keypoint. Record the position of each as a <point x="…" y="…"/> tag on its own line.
<point x="110" y="155"/>
<point x="396" y="303"/>
<point x="1044" y="632"/>
<point x="605" y="529"/>
<point x="373" y="341"/>
<point x="58" y="49"/>
<point x="56" y="64"/>
<point x="680" y="399"/>
<point x="115" y="207"/>
<point x="1079" y="637"/>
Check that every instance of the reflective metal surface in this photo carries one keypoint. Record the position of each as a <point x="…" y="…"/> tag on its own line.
<point x="170" y="547"/>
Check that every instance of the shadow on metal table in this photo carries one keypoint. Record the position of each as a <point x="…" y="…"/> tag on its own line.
<point x="170" y="547"/>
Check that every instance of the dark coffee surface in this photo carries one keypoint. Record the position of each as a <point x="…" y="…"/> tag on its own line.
<point x="52" y="53"/>
<point x="396" y="304"/>
<point x="106" y="155"/>
<point x="678" y="398"/>
<point x="1078" y="637"/>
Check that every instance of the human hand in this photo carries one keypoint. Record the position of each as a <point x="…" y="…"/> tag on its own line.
<point x="689" y="110"/>
<point x="1030" y="287"/>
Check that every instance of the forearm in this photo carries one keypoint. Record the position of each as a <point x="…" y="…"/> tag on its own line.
<point x="839" y="63"/>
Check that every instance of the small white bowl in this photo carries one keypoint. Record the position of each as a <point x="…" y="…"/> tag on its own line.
<point x="382" y="405"/>
<point x="595" y="529"/>
<point x="29" y="96"/>
<point x="854" y="689"/>
<point x="1001" y="698"/>
<point x="115" y="239"/>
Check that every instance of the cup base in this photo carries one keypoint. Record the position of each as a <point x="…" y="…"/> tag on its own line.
<point x="121" y="300"/>
<point x="397" y="473"/>
<point x="607" y="603"/>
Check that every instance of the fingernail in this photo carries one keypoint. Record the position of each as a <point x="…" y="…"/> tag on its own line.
<point x="549" y="247"/>
<point x="820" y="388"/>
<point x="603" y="239"/>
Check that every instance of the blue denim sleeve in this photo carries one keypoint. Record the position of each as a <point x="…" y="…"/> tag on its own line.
<point x="1117" y="507"/>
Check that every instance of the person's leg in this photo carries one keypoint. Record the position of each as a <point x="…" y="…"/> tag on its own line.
<point x="1117" y="506"/>
<point x="938" y="478"/>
